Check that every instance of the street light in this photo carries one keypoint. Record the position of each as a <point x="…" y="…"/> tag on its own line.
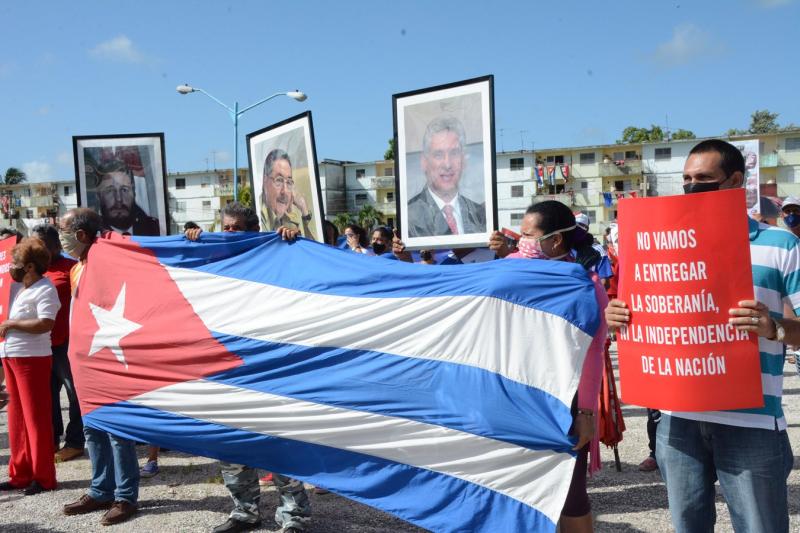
<point x="235" y="113"/>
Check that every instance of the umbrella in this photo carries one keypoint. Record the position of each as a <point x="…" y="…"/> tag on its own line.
<point x="612" y="425"/>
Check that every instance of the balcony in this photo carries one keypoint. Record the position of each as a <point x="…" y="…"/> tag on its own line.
<point x="384" y="182"/>
<point x="223" y="190"/>
<point x="625" y="168"/>
<point x="768" y="160"/>
<point x="38" y="201"/>
<point x="387" y="208"/>
<point x="567" y="199"/>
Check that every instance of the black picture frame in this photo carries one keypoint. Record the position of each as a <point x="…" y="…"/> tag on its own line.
<point x="283" y="135"/>
<point x="152" y="163"/>
<point x="427" y="231"/>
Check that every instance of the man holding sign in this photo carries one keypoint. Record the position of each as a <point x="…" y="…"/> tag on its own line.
<point x="747" y="450"/>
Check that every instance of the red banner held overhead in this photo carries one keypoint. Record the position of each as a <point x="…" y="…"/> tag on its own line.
<point x="5" y="278"/>
<point x="682" y="267"/>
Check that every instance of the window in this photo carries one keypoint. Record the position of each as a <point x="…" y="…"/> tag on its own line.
<point x="584" y="185"/>
<point x="516" y="218"/>
<point x="206" y="204"/>
<point x="517" y="191"/>
<point x="663" y="154"/>
<point x="517" y="163"/>
<point x="388" y="172"/>
<point x="618" y="156"/>
<point x="587" y="158"/>
<point x="180" y="183"/>
<point x="66" y="190"/>
<point x="555" y="189"/>
<point x="361" y="197"/>
<point x="180" y="207"/>
<point x="592" y="216"/>
<point x="792" y="144"/>
<point x="631" y="154"/>
<point x="390" y="197"/>
<point x="361" y="172"/>
<point x="390" y="222"/>
<point x="619" y="185"/>
<point x="555" y="159"/>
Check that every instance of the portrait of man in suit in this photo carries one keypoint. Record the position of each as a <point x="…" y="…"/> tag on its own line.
<point x="116" y="196"/>
<point x="440" y="208"/>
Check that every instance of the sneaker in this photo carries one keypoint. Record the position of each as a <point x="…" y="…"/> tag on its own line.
<point x="119" y="512"/>
<point x="85" y="504"/>
<point x="6" y="485"/>
<point x="231" y="525"/>
<point x="150" y="469"/>
<point x="266" y="480"/>
<point x="68" y="454"/>
<point x="648" y="465"/>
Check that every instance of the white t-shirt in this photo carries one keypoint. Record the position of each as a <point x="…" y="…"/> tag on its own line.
<point x="40" y="300"/>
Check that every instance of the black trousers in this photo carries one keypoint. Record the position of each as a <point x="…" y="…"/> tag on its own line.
<point x="62" y="377"/>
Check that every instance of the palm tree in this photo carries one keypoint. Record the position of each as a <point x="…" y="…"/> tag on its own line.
<point x="369" y="217"/>
<point x="14" y="176"/>
<point x="341" y="220"/>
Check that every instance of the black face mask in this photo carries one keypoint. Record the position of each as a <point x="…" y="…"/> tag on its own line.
<point x="703" y="186"/>
<point x="378" y="248"/>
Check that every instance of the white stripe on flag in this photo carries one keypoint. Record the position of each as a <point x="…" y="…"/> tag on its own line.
<point x="532" y="347"/>
<point x="539" y="479"/>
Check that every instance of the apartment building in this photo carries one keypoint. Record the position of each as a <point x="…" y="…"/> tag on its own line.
<point x="198" y="196"/>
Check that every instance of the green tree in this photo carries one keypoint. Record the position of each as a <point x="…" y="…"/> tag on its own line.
<point x="14" y="176"/>
<point x="341" y="220"/>
<point x="762" y="121"/>
<point x="683" y="134"/>
<point x="368" y="217"/>
<point x="633" y="135"/>
<point x="733" y="132"/>
<point x="245" y="196"/>
<point x="389" y="153"/>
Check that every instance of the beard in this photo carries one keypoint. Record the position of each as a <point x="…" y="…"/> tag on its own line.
<point x="118" y="215"/>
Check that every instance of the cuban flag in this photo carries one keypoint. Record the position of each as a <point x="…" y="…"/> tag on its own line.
<point x="439" y="394"/>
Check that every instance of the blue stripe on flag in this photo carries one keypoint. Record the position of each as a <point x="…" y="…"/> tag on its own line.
<point x="429" y="499"/>
<point x="555" y="287"/>
<point x="452" y="395"/>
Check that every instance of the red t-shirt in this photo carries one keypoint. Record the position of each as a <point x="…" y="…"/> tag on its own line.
<point x="58" y="274"/>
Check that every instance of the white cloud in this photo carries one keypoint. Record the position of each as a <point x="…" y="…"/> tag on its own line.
<point x="64" y="158"/>
<point x="120" y="49"/>
<point x="689" y="43"/>
<point x="38" y="170"/>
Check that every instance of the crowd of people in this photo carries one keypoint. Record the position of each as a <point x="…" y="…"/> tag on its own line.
<point x="748" y="452"/>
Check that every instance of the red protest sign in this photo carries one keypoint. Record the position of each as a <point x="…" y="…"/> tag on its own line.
<point x="682" y="267"/>
<point x="5" y="278"/>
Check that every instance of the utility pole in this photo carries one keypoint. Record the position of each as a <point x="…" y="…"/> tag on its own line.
<point x="502" y="146"/>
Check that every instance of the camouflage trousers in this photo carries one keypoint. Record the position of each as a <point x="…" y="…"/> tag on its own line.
<point x="294" y="509"/>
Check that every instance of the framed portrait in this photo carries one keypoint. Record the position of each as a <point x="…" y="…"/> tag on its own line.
<point x="124" y="178"/>
<point x="445" y="157"/>
<point x="752" y="178"/>
<point x="284" y="176"/>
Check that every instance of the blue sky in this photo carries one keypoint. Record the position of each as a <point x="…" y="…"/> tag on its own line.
<point x="566" y="72"/>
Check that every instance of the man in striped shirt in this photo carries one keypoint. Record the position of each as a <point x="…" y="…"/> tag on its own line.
<point x="747" y="450"/>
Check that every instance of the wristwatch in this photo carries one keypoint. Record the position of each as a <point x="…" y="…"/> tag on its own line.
<point x="307" y="218"/>
<point x="780" y="333"/>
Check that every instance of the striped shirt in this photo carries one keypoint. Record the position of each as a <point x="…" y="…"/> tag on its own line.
<point x="775" y="257"/>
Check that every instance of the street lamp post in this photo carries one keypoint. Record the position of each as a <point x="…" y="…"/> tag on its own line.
<point x="235" y="113"/>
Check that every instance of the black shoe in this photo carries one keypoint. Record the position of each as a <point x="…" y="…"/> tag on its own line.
<point x="6" y="485"/>
<point x="232" y="526"/>
<point x="33" y="489"/>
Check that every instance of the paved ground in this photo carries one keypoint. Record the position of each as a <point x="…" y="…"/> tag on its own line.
<point x="188" y="495"/>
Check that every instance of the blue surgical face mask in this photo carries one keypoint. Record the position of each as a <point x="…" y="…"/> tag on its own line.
<point x="791" y="221"/>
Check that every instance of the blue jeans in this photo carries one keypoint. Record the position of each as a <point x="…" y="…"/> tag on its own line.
<point x="115" y="469"/>
<point x="752" y="466"/>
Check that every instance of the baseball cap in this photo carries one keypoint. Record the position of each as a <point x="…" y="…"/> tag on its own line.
<point x="790" y="200"/>
<point x="582" y="219"/>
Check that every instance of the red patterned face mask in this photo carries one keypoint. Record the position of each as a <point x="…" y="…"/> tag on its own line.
<point x="531" y="247"/>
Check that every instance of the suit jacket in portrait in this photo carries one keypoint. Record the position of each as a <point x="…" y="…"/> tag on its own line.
<point x="143" y="224"/>
<point x="425" y="219"/>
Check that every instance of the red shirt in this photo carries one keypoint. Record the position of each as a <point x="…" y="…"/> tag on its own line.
<point x="58" y="274"/>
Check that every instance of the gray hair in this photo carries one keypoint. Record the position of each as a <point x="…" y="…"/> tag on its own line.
<point x="440" y="124"/>
<point x="273" y="156"/>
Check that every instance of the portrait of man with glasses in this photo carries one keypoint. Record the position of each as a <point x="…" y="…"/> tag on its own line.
<point x="282" y="204"/>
